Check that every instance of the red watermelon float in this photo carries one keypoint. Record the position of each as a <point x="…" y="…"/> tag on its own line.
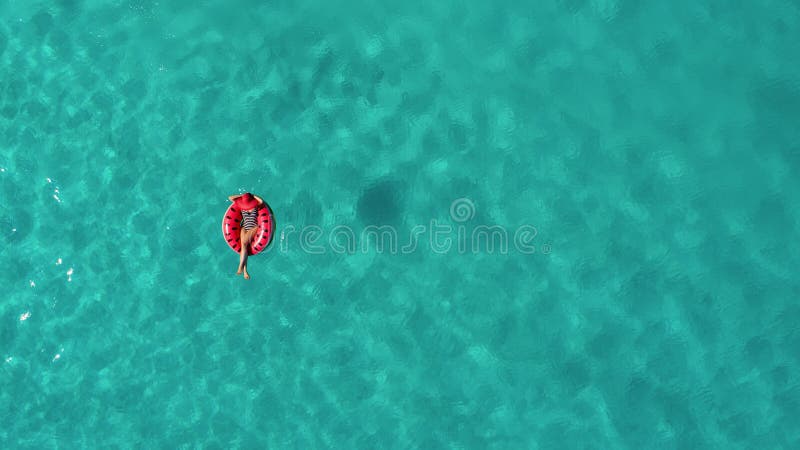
<point x="232" y="223"/>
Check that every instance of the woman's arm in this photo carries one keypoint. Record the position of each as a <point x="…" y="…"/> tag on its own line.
<point x="234" y="197"/>
<point x="260" y="202"/>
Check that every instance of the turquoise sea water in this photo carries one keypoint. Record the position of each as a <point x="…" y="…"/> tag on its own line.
<point x="654" y="146"/>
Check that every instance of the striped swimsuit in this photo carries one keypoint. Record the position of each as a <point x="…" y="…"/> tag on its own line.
<point x="249" y="219"/>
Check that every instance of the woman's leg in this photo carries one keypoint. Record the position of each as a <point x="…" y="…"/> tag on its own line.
<point x="246" y="237"/>
<point x="243" y="251"/>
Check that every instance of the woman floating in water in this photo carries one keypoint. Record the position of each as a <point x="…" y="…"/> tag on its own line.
<point x="246" y="207"/>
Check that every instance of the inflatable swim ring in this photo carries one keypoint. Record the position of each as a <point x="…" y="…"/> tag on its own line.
<point x="231" y="223"/>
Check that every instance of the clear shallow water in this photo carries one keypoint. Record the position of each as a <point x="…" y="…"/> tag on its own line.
<point x="654" y="148"/>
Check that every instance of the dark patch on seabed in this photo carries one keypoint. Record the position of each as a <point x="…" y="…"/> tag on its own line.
<point x="3" y="43"/>
<point x="381" y="203"/>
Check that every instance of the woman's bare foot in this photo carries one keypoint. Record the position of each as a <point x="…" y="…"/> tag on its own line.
<point x="239" y="272"/>
<point x="246" y="275"/>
